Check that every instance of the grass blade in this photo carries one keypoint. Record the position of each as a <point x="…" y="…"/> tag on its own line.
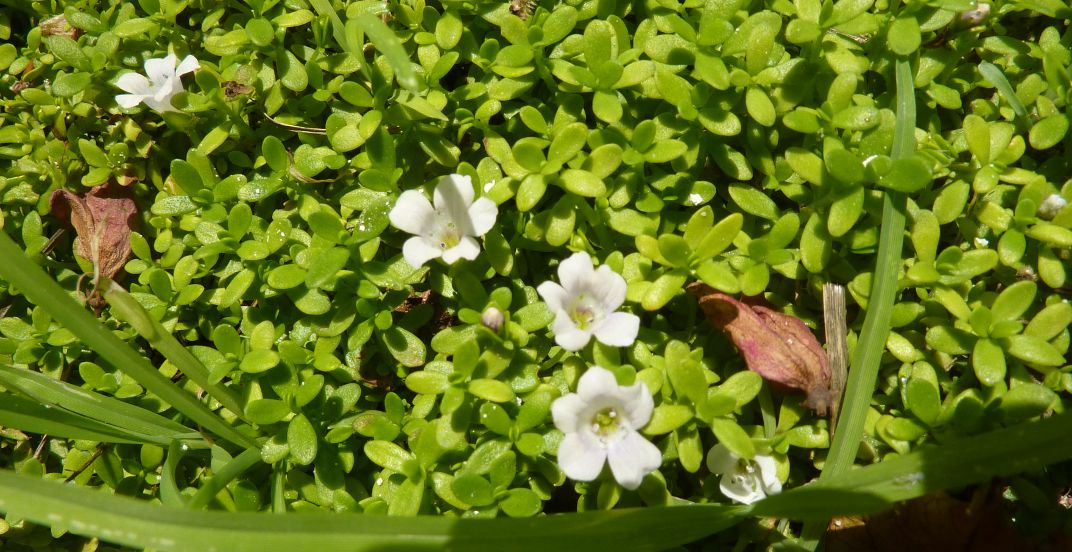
<point x="106" y="410"/>
<point x="867" y="355"/>
<point x="127" y="309"/>
<point x="236" y="467"/>
<point x="990" y="72"/>
<point x="43" y="291"/>
<point x="127" y="521"/>
<point x="32" y="417"/>
<point x="1003" y="452"/>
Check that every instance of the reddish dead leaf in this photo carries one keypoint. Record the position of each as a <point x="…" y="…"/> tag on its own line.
<point x="102" y="218"/>
<point x="777" y="346"/>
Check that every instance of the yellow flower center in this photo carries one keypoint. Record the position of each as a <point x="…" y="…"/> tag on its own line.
<point x="606" y="422"/>
<point x="582" y="312"/>
<point x="449" y="236"/>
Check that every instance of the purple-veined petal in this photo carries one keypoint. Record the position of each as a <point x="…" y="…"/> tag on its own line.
<point x="581" y="457"/>
<point x="418" y="250"/>
<point x="482" y="216"/>
<point x="467" y="248"/>
<point x="631" y="458"/>
<point x="619" y="329"/>
<point x="412" y="213"/>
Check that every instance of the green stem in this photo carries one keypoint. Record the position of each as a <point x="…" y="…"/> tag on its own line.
<point x="127" y="309"/>
<point x="868" y="352"/>
<point x="43" y="291"/>
<point x="236" y="467"/>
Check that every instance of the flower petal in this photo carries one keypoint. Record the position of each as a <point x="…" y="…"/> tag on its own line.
<point x="740" y="487"/>
<point x="188" y="64"/>
<point x="482" y="216"/>
<point x="768" y="474"/>
<point x="609" y="287"/>
<point x="574" y="271"/>
<point x="467" y="248"/>
<point x="581" y="457"/>
<point x="596" y="383"/>
<point x="412" y="213"/>
<point x="567" y="334"/>
<point x="631" y="458"/>
<point x="452" y="197"/>
<point x="721" y="460"/>
<point x="638" y="405"/>
<point x="554" y="295"/>
<point x="159" y="69"/>
<point x="619" y="329"/>
<point x="418" y="251"/>
<point x="568" y="412"/>
<point x="134" y="84"/>
<point x="128" y="100"/>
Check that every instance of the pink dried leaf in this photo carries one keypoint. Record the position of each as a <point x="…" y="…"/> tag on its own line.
<point x="102" y="219"/>
<point x="777" y="346"/>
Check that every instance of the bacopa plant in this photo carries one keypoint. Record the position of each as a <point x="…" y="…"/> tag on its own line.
<point x="415" y="269"/>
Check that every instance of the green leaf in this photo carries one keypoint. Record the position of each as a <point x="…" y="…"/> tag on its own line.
<point x="904" y="35"/>
<point x="302" y="439"/>
<point x="407" y="348"/>
<point x="69" y="51"/>
<point x="582" y="183"/>
<point x="388" y="43"/>
<point x="1048" y="132"/>
<point x="1033" y="350"/>
<point x="491" y="390"/>
<point x="733" y="436"/>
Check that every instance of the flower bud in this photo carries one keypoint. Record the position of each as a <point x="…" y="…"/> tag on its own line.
<point x="492" y="319"/>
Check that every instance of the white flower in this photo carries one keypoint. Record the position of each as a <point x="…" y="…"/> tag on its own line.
<point x="600" y="422"/>
<point x="586" y="304"/>
<point x="160" y="87"/>
<point x="745" y="481"/>
<point x="449" y="228"/>
<point x="1050" y="206"/>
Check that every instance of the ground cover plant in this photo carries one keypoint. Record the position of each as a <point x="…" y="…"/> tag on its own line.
<point x="530" y="274"/>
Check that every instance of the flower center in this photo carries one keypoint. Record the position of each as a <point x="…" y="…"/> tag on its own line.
<point x="582" y="312"/>
<point x="449" y="236"/>
<point x="606" y="423"/>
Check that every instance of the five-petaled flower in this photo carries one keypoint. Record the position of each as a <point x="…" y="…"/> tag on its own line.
<point x="585" y="304"/>
<point x="158" y="86"/>
<point x="743" y="480"/>
<point x="448" y="226"/>
<point x="600" y="423"/>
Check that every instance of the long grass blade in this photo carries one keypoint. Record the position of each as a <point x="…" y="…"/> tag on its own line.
<point x="40" y="288"/>
<point x="130" y="522"/>
<point x="127" y="309"/>
<point x="106" y="410"/>
<point x="867" y="355"/>
<point x="1028" y="446"/>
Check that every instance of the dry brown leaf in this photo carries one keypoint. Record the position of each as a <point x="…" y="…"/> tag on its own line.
<point x="102" y="218"/>
<point x="777" y="346"/>
<point x="936" y="522"/>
